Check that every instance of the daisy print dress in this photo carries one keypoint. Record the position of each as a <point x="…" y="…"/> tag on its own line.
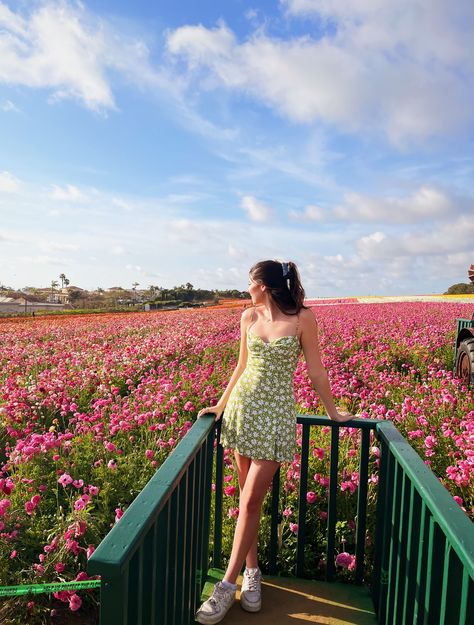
<point x="259" y="420"/>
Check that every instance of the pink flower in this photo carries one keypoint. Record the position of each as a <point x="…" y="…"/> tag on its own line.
<point x="82" y="502"/>
<point x="13" y="554"/>
<point x="233" y="513"/>
<point x="111" y="464"/>
<point x="59" y="567"/>
<point x="319" y="453"/>
<point x="4" y="505"/>
<point x="230" y="490"/>
<point x="346" y="560"/>
<point x="90" y="550"/>
<point x="94" y="490"/>
<point x="294" y="528"/>
<point x="75" y="602"/>
<point x="65" y="479"/>
<point x="189" y="406"/>
<point x="311" y="496"/>
<point x="149" y="453"/>
<point x="349" y="485"/>
<point x="118" y="514"/>
<point x="287" y="512"/>
<point x="29" y="507"/>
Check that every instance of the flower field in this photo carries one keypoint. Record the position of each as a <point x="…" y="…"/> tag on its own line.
<point x="90" y="406"/>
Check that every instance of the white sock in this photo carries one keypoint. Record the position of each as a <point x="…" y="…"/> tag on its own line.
<point x="252" y="570"/>
<point x="227" y="584"/>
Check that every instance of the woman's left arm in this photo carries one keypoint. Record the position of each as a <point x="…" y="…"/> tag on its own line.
<point x="316" y="371"/>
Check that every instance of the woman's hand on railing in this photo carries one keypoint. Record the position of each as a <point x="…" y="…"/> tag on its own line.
<point x="217" y="410"/>
<point x="342" y="416"/>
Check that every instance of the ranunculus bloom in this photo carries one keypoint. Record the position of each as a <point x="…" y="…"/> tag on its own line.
<point x="346" y="560"/>
<point x="65" y="479"/>
<point x="75" y="602"/>
<point x="311" y="496"/>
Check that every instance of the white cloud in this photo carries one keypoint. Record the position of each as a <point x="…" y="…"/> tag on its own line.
<point x="62" y="47"/>
<point x="256" y="210"/>
<point x="425" y="204"/>
<point x="69" y="193"/>
<point x="401" y="68"/>
<point x="8" y="182"/>
<point x="447" y="239"/>
<point x="54" y="246"/>
<point x="8" y="106"/>
<point x="309" y="213"/>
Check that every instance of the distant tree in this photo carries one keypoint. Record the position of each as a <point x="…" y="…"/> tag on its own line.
<point x="460" y="288"/>
<point x="54" y="285"/>
<point x="63" y="278"/>
<point x="189" y="286"/>
<point x="74" y="296"/>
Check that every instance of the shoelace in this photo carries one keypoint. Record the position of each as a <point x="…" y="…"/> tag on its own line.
<point x="253" y="579"/>
<point x="218" y="591"/>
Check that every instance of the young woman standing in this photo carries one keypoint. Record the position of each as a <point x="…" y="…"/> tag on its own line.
<point x="259" y="422"/>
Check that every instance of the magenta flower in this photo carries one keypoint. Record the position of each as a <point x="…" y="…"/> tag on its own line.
<point x="294" y="528"/>
<point x="75" y="602"/>
<point x="65" y="479"/>
<point x="230" y="490"/>
<point x="346" y="560"/>
<point x="311" y="496"/>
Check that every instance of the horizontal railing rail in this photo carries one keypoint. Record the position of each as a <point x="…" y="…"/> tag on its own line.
<point x="424" y="558"/>
<point x="154" y="561"/>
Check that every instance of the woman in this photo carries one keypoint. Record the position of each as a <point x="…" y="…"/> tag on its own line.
<point x="259" y="423"/>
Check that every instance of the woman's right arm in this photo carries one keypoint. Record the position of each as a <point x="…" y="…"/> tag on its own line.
<point x="218" y="409"/>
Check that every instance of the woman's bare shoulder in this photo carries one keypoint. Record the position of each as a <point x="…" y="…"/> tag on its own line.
<point x="307" y="316"/>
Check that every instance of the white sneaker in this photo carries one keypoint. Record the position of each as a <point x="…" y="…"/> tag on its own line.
<point x="251" y="591"/>
<point x="216" y="607"/>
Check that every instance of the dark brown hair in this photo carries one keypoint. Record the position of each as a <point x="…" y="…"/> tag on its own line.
<point x="287" y="292"/>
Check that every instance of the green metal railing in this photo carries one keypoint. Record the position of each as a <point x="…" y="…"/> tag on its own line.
<point x="154" y="562"/>
<point x="424" y="558"/>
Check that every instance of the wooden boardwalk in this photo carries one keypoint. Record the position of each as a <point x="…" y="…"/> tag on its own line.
<point x="294" y="601"/>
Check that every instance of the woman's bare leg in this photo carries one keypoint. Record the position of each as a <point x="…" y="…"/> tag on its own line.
<point x="257" y="482"/>
<point x="243" y="465"/>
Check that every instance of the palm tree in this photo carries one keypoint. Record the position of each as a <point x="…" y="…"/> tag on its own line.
<point x="134" y="288"/>
<point x="54" y="285"/>
<point x="62" y="277"/>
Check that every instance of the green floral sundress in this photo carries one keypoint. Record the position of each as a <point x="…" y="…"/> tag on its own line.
<point x="259" y="420"/>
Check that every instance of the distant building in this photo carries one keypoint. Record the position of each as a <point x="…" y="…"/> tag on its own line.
<point x="25" y="305"/>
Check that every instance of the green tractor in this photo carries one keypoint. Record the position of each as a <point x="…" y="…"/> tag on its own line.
<point x="464" y="347"/>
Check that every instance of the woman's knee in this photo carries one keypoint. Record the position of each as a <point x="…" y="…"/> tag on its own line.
<point x="251" y="503"/>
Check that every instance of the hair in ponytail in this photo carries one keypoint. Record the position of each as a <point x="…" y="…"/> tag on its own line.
<point x="286" y="290"/>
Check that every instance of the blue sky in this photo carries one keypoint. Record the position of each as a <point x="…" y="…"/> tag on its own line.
<point x="162" y="143"/>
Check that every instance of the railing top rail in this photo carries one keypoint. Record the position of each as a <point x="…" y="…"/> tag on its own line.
<point x="124" y="538"/>
<point x="455" y="524"/>
<point x="357" y="422"/>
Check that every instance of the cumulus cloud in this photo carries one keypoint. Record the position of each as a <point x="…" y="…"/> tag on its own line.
<point x="403" y="69"/>
<point x="426" y="203"/>
<point x="256" y="210"/>
<point x="62" y="47"/>
<point x="8" y="182"/>
<point x="446" y="239"/>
